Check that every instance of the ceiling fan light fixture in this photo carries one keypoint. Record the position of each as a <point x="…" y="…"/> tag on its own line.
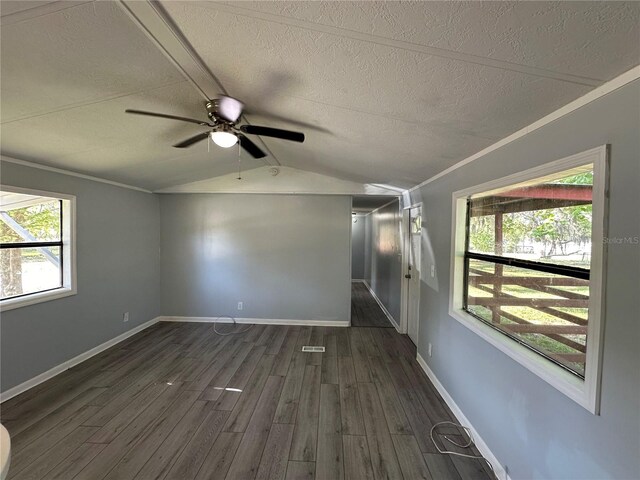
<point x="224" y="139"/>
<point x="223" y="114"/>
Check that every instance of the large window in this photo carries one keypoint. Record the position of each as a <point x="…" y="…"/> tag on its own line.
<point x="530" y="268"/>
<point x="36" y="255"/>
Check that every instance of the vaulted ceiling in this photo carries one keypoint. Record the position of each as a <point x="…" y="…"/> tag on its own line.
<point x="386" y="92"/>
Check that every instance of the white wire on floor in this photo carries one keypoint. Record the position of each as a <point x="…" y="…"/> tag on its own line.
<point x="466" y="445"/>
<point x="235" y="325"/>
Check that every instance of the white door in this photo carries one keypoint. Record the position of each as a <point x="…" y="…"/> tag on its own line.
<point x="413" y="273"/>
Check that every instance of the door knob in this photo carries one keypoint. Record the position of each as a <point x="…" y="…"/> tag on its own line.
<point x="407" y="275"/>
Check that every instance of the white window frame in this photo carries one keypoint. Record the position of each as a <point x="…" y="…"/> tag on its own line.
<point x="585" y="392"/>
<point x="69" y="286"/>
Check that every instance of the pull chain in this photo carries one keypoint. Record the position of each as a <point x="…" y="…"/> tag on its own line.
<point x="239" y="162"/>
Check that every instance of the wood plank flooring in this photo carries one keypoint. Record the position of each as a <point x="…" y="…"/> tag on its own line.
<point x="365" y="311"/>
<point x="178" y="401"/>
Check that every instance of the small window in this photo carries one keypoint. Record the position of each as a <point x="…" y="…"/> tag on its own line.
<point x="36" y="261"/>
<point x="529" y="268"/>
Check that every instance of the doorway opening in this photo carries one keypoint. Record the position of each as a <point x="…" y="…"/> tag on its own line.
<point x="367" y="309"/>
<point x="412" y="252"/>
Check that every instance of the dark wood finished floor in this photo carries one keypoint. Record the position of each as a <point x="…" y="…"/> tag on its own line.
<point x="177" y="401"/>
<point x="365" y="311"/>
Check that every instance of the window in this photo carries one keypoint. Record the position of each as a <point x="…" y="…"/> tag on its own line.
<point x="528" y="269"/>
<point x="36" y="258"/>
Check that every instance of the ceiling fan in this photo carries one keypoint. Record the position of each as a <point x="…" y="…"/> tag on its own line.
<point x="223" y="113"/>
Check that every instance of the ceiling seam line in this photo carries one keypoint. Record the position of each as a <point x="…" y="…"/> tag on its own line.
<point x="88" y="103"/>
<point x="188" y="47"/>
<point x="166" y="52"/>
<point x="413" y="47"/>
<point x="31" y="13"/>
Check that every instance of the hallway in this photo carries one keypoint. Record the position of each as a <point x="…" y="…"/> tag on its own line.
<point x="365" y="311"/>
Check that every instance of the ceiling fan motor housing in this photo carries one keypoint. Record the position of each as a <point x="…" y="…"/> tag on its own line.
<point x="224" y="109"/>
<point x="212" y="109"/>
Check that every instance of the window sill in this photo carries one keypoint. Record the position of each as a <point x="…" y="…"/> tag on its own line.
<point x="563" y="381"/>
<point x="34" y="298"/>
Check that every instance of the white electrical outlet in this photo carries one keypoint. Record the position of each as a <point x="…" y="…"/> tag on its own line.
<point x="240" y="306"/>
<point x="429" y="351"/>
<point x="125" y="317"/>
<point x="433" y="271"/>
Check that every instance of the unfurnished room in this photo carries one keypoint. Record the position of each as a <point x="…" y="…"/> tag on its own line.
<point x="319" y="240"/>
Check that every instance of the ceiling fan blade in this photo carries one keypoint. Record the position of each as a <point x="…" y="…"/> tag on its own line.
<point x="170" y="117"/>
<point x="190" y="141"/>
<point x="229" y="108"/>
<point x="251" y="147"/>
<point x="273" y="132"/>
<point x="279" y="118"/>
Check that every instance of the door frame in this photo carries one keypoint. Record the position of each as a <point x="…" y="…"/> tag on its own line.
<point x="405" y="238"/>
<point x="350" y="254"/>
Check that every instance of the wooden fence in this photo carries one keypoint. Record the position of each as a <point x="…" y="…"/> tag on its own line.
<point x="493" y="284"/>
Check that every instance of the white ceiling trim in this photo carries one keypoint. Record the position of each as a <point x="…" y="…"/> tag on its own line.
<point x="157" y="25"/>
<point x="616" y="83"/>
<point x="396" y="190"/>
<point x="399" y="44"/>
<point x="71" y="173"/>
<point x="396" y="199"/>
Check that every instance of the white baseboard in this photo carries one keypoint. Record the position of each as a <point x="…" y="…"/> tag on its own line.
<point x="384" y="309"/>
<point x="499" y="470"/>
<point x="260" y="321"/>
<point x="24" y="386"/>
<point x="358" y="280"/>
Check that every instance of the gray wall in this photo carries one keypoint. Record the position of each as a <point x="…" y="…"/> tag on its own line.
<point x="367" y="248"/>
<point x="284" y="256"/>
<point x="384" y="252"/>
<point x="118" y="271"/>
<point x="531" y="427"/>
<point x="358" y="231"/>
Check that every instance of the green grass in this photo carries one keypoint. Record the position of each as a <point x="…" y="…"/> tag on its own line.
<point x="530" y="314"/>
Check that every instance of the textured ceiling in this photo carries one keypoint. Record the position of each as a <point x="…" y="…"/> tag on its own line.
<point x="398" y="91"/>
<point x="66" y="78"/>
<point x="577" y="38"/>
<point x="14" y="7"/>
